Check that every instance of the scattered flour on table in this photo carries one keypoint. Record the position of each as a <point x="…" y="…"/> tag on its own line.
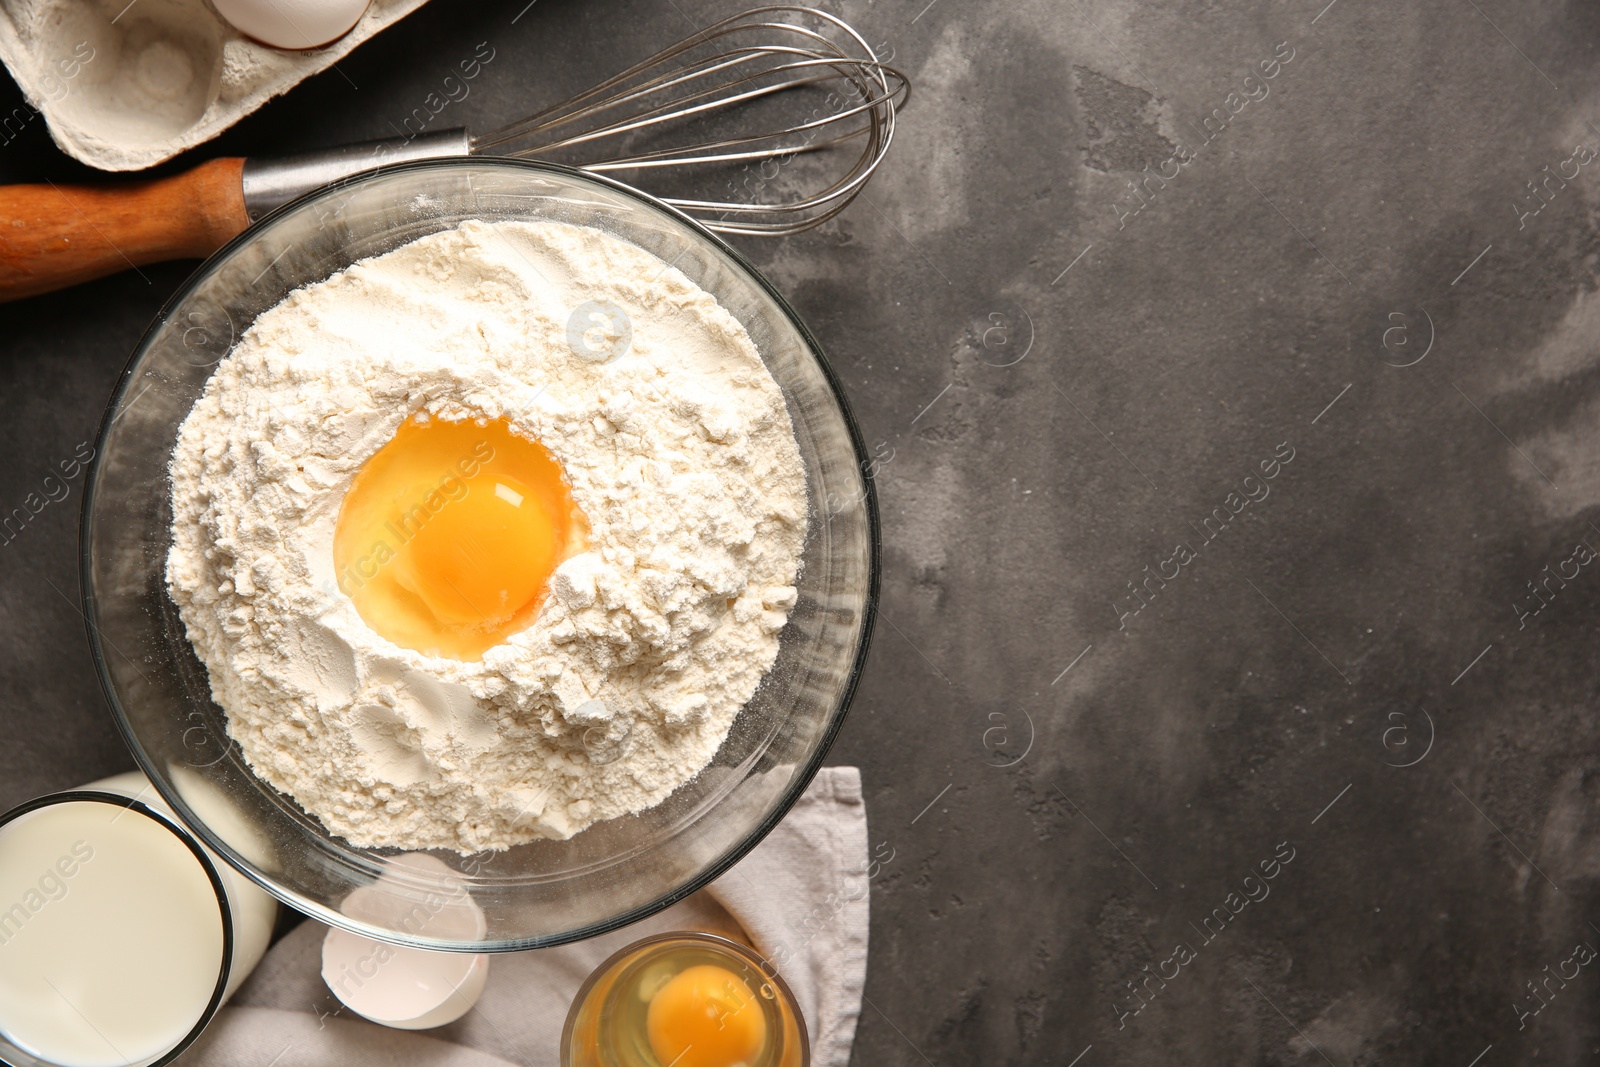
<point x="679" y="452"/>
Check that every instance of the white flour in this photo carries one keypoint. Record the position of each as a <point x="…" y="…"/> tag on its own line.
<point x="679" y="452"/>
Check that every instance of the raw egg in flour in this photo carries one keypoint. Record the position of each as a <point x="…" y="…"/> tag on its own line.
<point x="706" y="1016"/>
<point x="447" y="538"/>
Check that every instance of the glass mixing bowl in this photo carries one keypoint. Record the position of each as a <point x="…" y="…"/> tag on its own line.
<point x="542" y="893"/>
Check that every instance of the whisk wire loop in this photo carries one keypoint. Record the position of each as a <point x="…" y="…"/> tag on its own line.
<point x="746" y="65"/>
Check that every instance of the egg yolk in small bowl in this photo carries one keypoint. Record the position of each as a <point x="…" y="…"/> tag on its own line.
<point x="448" y="536"/>
<point x="706" y="1016"/>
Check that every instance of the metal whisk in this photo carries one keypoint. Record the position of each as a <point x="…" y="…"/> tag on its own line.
<point x="728" y="97"/>
<point x="712" y="107"/>
<point x="741" y="60"/>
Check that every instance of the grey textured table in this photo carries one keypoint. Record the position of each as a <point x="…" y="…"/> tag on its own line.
<point x="1232" y="517"/>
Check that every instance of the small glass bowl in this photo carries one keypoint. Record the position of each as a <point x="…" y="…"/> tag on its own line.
<point x="545" y="892"/>
<point x="604" y="1025"/>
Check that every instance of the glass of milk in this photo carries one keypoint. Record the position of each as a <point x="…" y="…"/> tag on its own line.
<point x="117" y="938"/>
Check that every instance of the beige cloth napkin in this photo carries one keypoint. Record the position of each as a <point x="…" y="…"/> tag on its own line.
<point x="800" y="897"/>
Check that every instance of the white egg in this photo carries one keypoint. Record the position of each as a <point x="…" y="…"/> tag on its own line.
<point x="293" y="23"/>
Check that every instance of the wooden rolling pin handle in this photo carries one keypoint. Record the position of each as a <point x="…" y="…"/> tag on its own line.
<point x="53" y="236"/>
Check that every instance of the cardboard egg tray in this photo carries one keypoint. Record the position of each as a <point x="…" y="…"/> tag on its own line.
<point x="123" y="86"/>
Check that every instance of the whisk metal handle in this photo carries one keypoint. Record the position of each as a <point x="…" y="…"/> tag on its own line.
<point x="273" y="181"/>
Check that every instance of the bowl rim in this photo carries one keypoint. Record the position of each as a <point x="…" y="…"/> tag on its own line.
<point x="713" y="870"/>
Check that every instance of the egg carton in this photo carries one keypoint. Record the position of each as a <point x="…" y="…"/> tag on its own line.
<point x="125" y="85"/>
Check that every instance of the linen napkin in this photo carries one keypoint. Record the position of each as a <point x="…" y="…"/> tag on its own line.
<point x="800" y="898"/>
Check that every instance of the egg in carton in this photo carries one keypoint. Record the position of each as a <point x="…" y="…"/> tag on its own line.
<point x="125" y="85"/>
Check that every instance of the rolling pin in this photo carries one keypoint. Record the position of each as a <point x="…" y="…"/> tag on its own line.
<point x="53" y="236"/>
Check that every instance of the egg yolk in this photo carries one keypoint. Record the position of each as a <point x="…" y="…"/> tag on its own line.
<point x="706" y="1016"/>
<point x="447" y="538"/>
